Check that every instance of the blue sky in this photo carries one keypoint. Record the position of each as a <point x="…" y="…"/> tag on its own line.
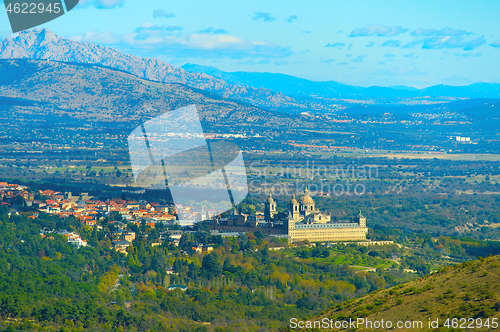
<point x="386" y="43"/>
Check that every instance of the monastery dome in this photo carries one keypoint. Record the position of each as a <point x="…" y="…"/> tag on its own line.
<point x="306" y="199"/>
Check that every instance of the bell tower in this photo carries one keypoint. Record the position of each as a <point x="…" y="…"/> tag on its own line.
<point x="360" y="219"/>
<point x="294" y="208"/>
<point x="270" y="208"/>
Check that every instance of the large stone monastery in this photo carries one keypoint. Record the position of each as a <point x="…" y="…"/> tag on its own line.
<point x="302" y="222"/>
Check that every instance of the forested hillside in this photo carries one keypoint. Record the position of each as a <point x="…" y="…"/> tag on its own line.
<point x="48" y="284"/>
<point x="463" y="296"/>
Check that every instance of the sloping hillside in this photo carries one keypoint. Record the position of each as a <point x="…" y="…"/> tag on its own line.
<point x="470" y="290"/>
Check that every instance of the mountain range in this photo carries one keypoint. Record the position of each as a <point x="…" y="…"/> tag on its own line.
<point x="290" y="85"/>
<point x="279" y="92"/>
<point x="276" y="92"/>
<point x="42" y="44"/>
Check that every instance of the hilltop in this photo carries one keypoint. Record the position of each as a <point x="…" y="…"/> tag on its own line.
<point x="467" y="290"/>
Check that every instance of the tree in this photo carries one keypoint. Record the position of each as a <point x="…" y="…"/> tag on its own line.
<point x="258" y="234"/>
<point x="308" y="302"/>
<point x="202" y="226"/>
<point x="211" y="266"/>
<point x="94" y="239"/>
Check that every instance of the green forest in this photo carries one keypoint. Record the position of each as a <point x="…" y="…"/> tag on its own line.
<point x="47" y="284"/>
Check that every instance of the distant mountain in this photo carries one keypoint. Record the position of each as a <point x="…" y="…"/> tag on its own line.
<point x="403" y="87"/>
<point x="280" y="82"/>
<point x="43" y="44"/>
<point x="470" y="107"/>
<point x="476" y="90"/>
<point x="466" y="290"/>
<point x="290" y="85"/>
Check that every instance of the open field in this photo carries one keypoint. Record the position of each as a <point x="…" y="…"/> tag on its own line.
<point x="465" y="157"/>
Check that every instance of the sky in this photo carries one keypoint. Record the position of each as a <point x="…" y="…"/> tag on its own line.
<point x="385" y="43"/>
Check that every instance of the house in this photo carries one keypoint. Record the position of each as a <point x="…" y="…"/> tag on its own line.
<point x="90" y="223"/>
<point x="197" y="249"/>
<point x="74" y="238"/>
<point x="13" y="211"/>
<point x="39" y="204"/>
<point x="48" y="193"/>
<point x="207" y="249"/>
<point x="175" y="235"/>
<point x="202" y="248"/>
<point x="128" y="236"/>
<point x="165" y="217"/>
<point x="121" y="246"/>
<point x="174" y="287"/>
<point x="117" y="235"/>
<point x="77" y="240"/>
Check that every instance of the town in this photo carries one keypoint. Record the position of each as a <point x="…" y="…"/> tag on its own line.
<point x="90" y="210"/>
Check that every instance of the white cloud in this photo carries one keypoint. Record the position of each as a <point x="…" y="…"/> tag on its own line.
<point x="438" y="42"/>
<point x="101" y="4"/>
<point x="97" y="38"/>
<point x="156" y="40"/>
<point x="391" y="43"/>
<point x="359" y="58"/>
<point x="280" y="62"/>
<point x="162" y="13"/>
<point x="338" y="45"/>
<point x="495" y="43"/>
<point x="377" y="30"/>
<point x="442" y="32"/>
<point x="213" y="30"/>
<point x="266" y="17"/>
<point x="433" y="39"/>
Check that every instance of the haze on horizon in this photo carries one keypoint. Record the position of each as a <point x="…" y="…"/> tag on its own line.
<point x="360" y="43"/>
